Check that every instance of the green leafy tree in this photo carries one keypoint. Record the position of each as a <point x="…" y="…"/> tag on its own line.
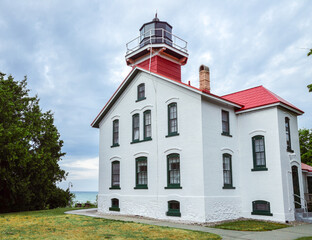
<point x="310" y="85"/>
<point x="305" y="140"/>
<point x="30" y="148"/>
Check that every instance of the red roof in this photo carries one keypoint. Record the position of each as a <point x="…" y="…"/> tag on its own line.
<point x="306" y="167"/>
<point x="257" y="97"/>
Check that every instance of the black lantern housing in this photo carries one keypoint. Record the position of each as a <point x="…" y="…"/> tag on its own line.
<point x="155" y="32"/>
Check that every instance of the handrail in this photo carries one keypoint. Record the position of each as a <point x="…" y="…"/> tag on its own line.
<point x="305" y="207"/>
<point x="149" y="37"/>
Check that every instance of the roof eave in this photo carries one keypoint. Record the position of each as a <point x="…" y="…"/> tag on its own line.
<point x="100" y="116"/>
<point x="271" y="105"/>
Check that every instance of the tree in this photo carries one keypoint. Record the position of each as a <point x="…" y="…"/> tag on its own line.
<point x="30" y="148"/>
<point x="305" y="140"/>
<point x="310" y="85"/>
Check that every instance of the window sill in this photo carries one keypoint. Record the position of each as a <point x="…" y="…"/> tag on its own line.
<point x="141" y="187"/>
<point x="140" y="99"/>
<point x="172" y="134"/>
<point x="262" y="213"/>
<point x="116" y="209"/>
<point x="144" y="140"/>
<point x="173" y="187"/>
<point x="290" y="150"/>
<point x="114" y="188"/>
<point x="226" y="134"/>
<point x="115" y="145"/>
<point x="259" y="169"/>
<point x="173" y="214"/>
<point x="228" y="187"/>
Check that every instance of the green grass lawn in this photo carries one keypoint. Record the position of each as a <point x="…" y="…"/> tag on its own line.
<point x="305" y="238"/>
<point x="251" y="225"/>
<point x="54" y="224"/>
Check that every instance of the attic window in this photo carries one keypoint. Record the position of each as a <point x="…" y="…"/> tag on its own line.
<point x="141" y="92"/>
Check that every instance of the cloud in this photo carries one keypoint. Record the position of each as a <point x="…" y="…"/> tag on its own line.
<point x="73" y="54"/>
<point x="82" y="169"/>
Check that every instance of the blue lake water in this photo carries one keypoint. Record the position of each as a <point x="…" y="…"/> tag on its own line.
<point x="83" y="197"/>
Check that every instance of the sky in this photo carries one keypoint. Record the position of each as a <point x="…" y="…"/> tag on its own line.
<point x="73" y="55"/>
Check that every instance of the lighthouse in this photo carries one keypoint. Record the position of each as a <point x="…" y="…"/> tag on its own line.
<point x="158" y="50"/>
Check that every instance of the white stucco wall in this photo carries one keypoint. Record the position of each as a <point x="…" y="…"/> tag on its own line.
<point x="262" y="185"/>
<point x="220" y="204"/>
<point x="201" y="146"/>
<point x="152" y="202"/>
<point x="288" y="160"/>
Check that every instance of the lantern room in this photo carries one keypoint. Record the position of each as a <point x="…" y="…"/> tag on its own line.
<point x="156" y="39"/>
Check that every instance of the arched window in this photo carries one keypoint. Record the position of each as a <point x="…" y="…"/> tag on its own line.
<point x="261" y="207"/>
<point x="227" y="172"/>
<point x="115" y="205"/>
<point x="225" y="123"/>
<point x="115" y="133"/>
<point x="141" y="92"/>
<point x="115" y="175"/>
<point x="147" y="119"/>
<point x="258" y="148"/>
<point x="172" y="120"/>
<point x="141" y="173"/>
<point x="174" y="209"/>
<point x="173" y="171"/>
<point x="287" y="130"/>
<point x="136" y="127"/>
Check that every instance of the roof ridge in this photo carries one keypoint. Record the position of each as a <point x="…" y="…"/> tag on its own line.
<point x="244" y="90"/>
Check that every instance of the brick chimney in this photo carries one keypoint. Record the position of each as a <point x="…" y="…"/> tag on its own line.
<point x="204" y="78"/>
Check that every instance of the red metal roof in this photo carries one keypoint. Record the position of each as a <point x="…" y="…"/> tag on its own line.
<point x="306" y="167"/>
<point x="257" y="97"/>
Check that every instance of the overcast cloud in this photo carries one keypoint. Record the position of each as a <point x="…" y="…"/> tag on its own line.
<point x="73" y="55"/>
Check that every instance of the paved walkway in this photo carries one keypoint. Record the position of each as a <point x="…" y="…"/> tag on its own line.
<point x="289" y="233"/>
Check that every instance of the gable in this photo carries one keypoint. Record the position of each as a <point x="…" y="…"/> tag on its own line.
<point x="123" y="86"/>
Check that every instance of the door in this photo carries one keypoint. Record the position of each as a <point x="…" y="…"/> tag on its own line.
<point x="310" y="185"/>
<point x="296" y="188"/>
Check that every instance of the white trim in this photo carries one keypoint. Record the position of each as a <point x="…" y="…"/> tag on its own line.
<point x="170" y="100"/>
<point x="145" y="154"/>
<point x="115" y="158"/>
<point x="225" y="149"/>
<point x="156" y="46"/>
<point x="137" y="110"/>
<point x="115" y="117"/>
<point x="257" y="131"/>
<point x="173" y="149"/>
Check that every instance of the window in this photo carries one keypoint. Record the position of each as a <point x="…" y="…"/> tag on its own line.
<point x="258" y="153"/>
<point x="225" y="123"/>
<point x="174" y="209"/>
<point x="136" y="127"/>
<point x="173" y="171"/>
<point x="288" y="141"/>
<point x="261" y="207"/>
<point x="115" y="133"/>
<point x="141" y="173"/>
<point x="141" y="92"/>
<point x="172" y="120"/>
<point x="147" y="125"/>
<point x="227" y="172"/>
<point x="115" y="175"/>
<point x="115" y="205"/>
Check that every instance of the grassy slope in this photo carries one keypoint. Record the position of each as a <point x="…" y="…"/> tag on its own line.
<point x="251" y="225"/>
<point x="54" y="224"/>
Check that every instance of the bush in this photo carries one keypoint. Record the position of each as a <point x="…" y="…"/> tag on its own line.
<point x="60" y="198"/>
